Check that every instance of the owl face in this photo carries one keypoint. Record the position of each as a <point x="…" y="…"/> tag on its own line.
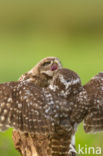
<point x="43" y="72"/>
<point x="48" y="66"/>
<point x="66" y="82"/>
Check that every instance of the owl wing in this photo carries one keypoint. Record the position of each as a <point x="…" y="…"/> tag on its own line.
<point x="93" y="122"/>
<point x="21" y="107"/>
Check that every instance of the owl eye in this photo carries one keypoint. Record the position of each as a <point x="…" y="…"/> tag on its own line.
<point x="68" y="80"/>
<point x="46" y="63"/>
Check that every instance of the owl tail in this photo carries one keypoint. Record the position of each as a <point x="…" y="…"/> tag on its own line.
<point x="93" y="121"/>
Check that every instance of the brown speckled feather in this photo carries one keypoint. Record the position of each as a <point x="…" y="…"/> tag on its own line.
<point x="49" y="114"/>
<point x="94" y="119"/>
<point x="52" y="113"/>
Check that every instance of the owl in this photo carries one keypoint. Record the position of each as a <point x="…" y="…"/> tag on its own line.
<point x="50" y="114"/>
<point x="40" y="75"/>
<point x="93" y="121"/>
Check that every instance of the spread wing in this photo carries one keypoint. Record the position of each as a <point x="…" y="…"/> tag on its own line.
<point x="21" y="107"/>
<point x="94" y="119"/>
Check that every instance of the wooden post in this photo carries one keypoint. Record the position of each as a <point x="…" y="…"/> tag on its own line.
<point x="28" y="144"/>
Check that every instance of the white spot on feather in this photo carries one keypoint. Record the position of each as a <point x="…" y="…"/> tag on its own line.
<point x="19" y="105"/>
<point x="10" y="100"/>
<point x="2" y="118"/>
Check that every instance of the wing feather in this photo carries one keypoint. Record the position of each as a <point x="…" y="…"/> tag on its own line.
<point x="21" y="106"/>
<point x="94" y="119"/>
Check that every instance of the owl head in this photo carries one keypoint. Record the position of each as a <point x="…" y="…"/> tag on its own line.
<point x="47" y="66"/>
<point x="66" y="82"/>
<point x="43" y="71"/>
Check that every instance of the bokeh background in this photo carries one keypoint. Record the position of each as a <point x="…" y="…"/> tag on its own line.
<point x="31" y="30"/>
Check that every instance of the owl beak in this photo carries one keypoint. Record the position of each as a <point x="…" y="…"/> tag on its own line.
<point x="55" y="65"/>
<point x="58" y="63"/>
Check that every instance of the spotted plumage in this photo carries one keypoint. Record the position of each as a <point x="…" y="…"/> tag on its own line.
<point x="52" y="112"/>
<point x="94" y="120"/>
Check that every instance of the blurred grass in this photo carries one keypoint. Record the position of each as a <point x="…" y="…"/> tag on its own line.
<point x="82" y="54"/>
<point x="70" y="30"/>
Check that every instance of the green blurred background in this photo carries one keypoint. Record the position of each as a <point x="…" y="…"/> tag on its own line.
<point x="31" y="30"/>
